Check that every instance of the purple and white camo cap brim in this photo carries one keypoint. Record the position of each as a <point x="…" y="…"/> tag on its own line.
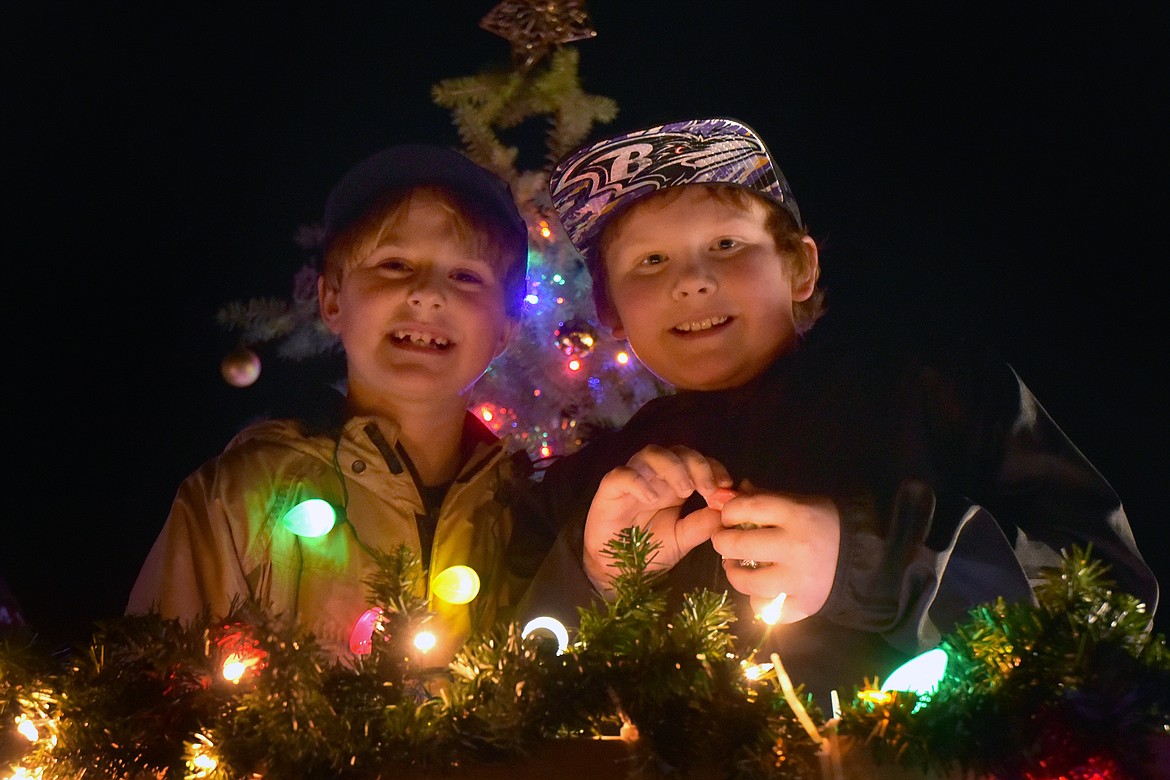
<point x="590" y="185"/>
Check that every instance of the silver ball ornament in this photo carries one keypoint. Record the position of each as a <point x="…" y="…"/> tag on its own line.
<point x="240" y="367"/>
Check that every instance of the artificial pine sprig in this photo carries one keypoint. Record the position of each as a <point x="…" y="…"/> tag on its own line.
<point x="483" y="104"/>
<point x="675" y="679"/>
<point x="30" y="683"/>
<point x="131" y="698"/>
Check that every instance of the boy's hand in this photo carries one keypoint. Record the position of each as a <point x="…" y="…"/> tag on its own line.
<point x="775" y="543"/>
<point x="649" y="492"/>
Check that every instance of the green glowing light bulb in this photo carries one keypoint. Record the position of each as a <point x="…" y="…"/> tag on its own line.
<point x="920" y="675"/>
<point x="311" y="518"/>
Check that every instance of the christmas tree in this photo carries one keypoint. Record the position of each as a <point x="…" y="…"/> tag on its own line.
<point x="563" y="377"/>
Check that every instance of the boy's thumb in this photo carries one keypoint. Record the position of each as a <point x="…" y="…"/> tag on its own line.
<point x="695" y="528"/>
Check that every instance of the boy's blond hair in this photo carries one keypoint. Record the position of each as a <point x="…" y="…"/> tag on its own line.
<point x="356" y="242"/>
<point x="788" y="236"/>
<point x="368" y="200"/>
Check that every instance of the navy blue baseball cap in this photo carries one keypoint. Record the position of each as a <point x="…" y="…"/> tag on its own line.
<point x="413" y="165"/>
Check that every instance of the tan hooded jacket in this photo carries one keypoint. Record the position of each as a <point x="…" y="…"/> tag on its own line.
<point x="224" y="537"/>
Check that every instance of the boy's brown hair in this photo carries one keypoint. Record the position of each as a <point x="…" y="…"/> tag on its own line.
<point x="787" y="235"/>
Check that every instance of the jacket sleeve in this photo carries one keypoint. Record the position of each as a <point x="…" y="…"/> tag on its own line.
<point x="1016" y="492"/>
<point x="1055" y="498"/>
<point x="194" y="563"/>
<point x="560" y="586"/>
<point x="548" y="544"/>
<point x="898" y="586"/>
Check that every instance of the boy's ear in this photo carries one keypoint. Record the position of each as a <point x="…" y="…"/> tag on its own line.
<point x="510" y="325"/>
<point x="328" y="303"/>
<point x="804" y="279"/>
<point x="611" y="320"/>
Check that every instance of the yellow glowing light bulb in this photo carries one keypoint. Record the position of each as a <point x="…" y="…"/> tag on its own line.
<point x="875" y="697"/>
<point x="456" y="584"/>
<point x="553" y="626"/>
<point x="770" y="614"/>
<point x="545" y="230"/>
<point x="425" y="641"/>
<point x="755" y="671"/>
<point x="311" y="518"/>
<point x="485" y="413"/>
<point x="574" y="365"/>
<point x="545" y="450"/>
<point x="237" y="664"/>
<point x="233" y="669"/>
<point x="623" y="357"/>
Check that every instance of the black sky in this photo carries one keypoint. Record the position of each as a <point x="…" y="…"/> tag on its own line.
<point x="994" y="169"/>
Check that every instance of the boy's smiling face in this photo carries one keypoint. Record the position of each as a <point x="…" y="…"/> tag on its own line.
<point x="700" y="290"/>
<point x="422" y="315"/>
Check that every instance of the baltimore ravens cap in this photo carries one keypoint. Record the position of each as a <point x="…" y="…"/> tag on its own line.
<point x="592" y="184"/>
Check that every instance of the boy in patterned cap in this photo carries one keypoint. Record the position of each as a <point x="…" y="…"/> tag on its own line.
<point x="885" y="488"/>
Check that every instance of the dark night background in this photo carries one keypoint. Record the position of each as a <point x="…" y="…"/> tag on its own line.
<point x="995" y="169"/>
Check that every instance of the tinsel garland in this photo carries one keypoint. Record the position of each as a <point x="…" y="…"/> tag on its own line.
<point x="1077" y="687"/>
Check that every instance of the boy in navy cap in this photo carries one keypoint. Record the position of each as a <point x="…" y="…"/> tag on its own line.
<point x="423" y="278"/>
<point x="884" y="488"/>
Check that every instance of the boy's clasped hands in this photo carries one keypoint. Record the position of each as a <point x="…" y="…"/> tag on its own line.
<point x="771" y="543"/>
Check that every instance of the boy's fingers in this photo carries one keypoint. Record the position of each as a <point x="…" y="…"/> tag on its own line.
<point x="706" y="474"/>
<point x="665" y="464"/>
<point x="720" y="497"/>
<point x="764" y="582"/>
<point x="720" y="474"/>
<point x="762" y="545"/>
<point x="752" y="510"/>
<point x="625" y="480"/>
<point x="692" y="530"/>
<point x="684" y="469"/>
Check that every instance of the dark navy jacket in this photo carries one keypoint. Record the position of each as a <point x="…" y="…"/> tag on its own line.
<point x="953" y="484"/>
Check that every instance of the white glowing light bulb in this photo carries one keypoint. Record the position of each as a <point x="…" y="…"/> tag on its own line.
<point x="770" y="614"/>
<point x="425" y="641"/>
<point x="204" y="763"/>
<point x="27" y="728"/>
<point x="553" y="626"/>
